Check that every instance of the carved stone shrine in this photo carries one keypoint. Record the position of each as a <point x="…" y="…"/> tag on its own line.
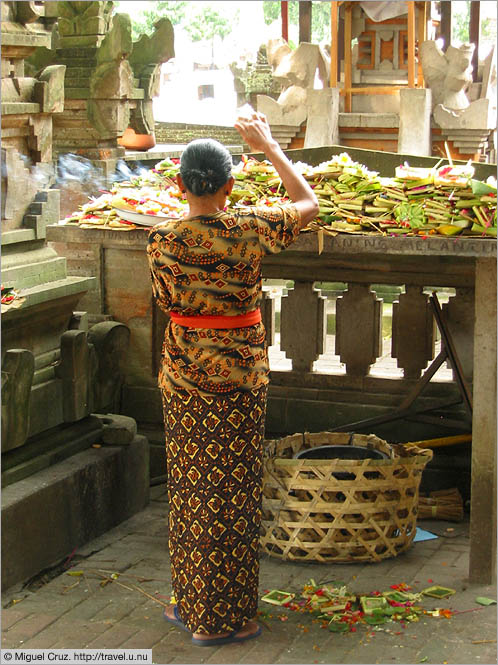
<point x="56" y="371"/>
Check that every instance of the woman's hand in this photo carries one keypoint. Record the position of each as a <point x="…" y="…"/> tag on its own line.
<point x="255" y="131"/>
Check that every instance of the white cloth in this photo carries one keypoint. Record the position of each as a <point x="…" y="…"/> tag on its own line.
<point x="382" y="11"/>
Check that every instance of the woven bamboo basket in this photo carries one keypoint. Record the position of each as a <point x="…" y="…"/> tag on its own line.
<point x="338" y="510"/>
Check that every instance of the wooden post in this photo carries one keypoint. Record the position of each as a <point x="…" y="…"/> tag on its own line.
<point x="348" y="75"/>
<point x="422" y="18"/>
<point x="340" y="47"/>
<point x="474" y="26"/>
<point x="334" y="44"/>
<point x="304" y="21"/>
<point x="411" y="44"/>
<point x="445" y="27"/>
<point x="284" y="13"/>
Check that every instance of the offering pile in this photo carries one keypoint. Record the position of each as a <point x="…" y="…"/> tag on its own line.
<point x="335" y="607"/>
<point x="444" y="201"/>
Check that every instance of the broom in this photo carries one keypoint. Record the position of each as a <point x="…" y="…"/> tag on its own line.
<point x="441" y="505"/>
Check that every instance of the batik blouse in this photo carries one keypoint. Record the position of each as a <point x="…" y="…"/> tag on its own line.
<point x="211" y="265"/>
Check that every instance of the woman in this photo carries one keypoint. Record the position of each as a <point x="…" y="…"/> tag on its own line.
<point x="206" y="273"/>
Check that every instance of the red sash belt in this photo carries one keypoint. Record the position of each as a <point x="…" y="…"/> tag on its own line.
<point x="223" y="321"/>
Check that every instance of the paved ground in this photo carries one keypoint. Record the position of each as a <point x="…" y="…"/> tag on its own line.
<point x="70" y="611"/>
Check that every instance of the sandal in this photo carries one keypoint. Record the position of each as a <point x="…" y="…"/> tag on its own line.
<point x="228" y="639"/>
<point x="176" y="621"/>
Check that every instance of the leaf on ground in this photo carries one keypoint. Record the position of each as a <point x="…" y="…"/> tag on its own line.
<point x="482" y="600"/>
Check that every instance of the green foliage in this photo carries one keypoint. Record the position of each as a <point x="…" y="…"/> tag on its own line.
<point x="206" y="24"/>
<point x="174" y="10"/>
<point x="271" y="10"/>
<point x="320" y="17"/>
<point x="488" y="28"/>
<point x="460" y="22"/>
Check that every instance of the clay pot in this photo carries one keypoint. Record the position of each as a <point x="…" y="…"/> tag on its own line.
<point x="133" y="141"/>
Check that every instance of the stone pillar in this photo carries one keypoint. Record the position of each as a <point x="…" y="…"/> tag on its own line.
<point x="482" y="567"/>
<point x="322" y="125"/>
<point x="415" y="122"/>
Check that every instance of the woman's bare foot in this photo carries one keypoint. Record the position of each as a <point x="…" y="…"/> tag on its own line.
<point x="169" y="611"/>
<point x="249" y="628"/>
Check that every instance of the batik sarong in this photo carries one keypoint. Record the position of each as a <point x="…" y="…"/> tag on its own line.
<point x="214" y="456"/>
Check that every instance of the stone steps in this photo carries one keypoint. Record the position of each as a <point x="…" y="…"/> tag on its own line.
<point x="180" y="133"/>
<point x="284" y="134"/>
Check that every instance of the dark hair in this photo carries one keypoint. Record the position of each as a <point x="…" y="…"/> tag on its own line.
<point x="205" y="166"/>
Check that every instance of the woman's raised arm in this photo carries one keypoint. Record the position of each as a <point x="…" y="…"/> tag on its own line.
<point x="255" y="131"/>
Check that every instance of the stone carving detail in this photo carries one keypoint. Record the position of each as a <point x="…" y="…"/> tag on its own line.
<point x="84" y="23"/>
<point x="43" y="211"/>
<point x="18" y="367"/>
<point x="27" y="12"/>
<point x="303" y="325"/>
<point x="75" y="369"/>
<point x="295" y="71"/>
<point x="90" y="369"/>
<point x="28" y="103"/>
<point x="467" y="124"/>
<point x="447" y="74"/>
<point x="16" y="178"/>
<point x="110" y="340"/>
<point x="146" y="59"/>
<point x="255" y="79"/>
<point x="39" y="392"/>
<point x="49" y="89"/>
<point x="358" y="340"/>
<point x="413" y="332"/>
<point x="110" y="81"/>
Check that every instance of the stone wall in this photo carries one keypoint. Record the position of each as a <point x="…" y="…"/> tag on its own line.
<point x="181" y="133"/>
<point x="288" y="136"/>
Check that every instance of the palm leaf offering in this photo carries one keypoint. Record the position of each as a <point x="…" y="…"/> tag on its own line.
<point x="332" y="605"/>
<point x="445" y="201"/>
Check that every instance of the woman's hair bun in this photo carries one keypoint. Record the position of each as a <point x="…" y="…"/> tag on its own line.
<point x="205" y="166"/>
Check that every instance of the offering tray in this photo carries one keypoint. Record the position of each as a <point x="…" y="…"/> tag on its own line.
<point x="141" y="218"/>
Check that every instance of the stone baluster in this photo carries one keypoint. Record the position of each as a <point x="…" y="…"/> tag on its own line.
<point x="413" y="331"/>
<point x="459" y="314"/>
<point x="358" y="340"/>
<point x="303" y="325"/>
<point x="268" y="316"/>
